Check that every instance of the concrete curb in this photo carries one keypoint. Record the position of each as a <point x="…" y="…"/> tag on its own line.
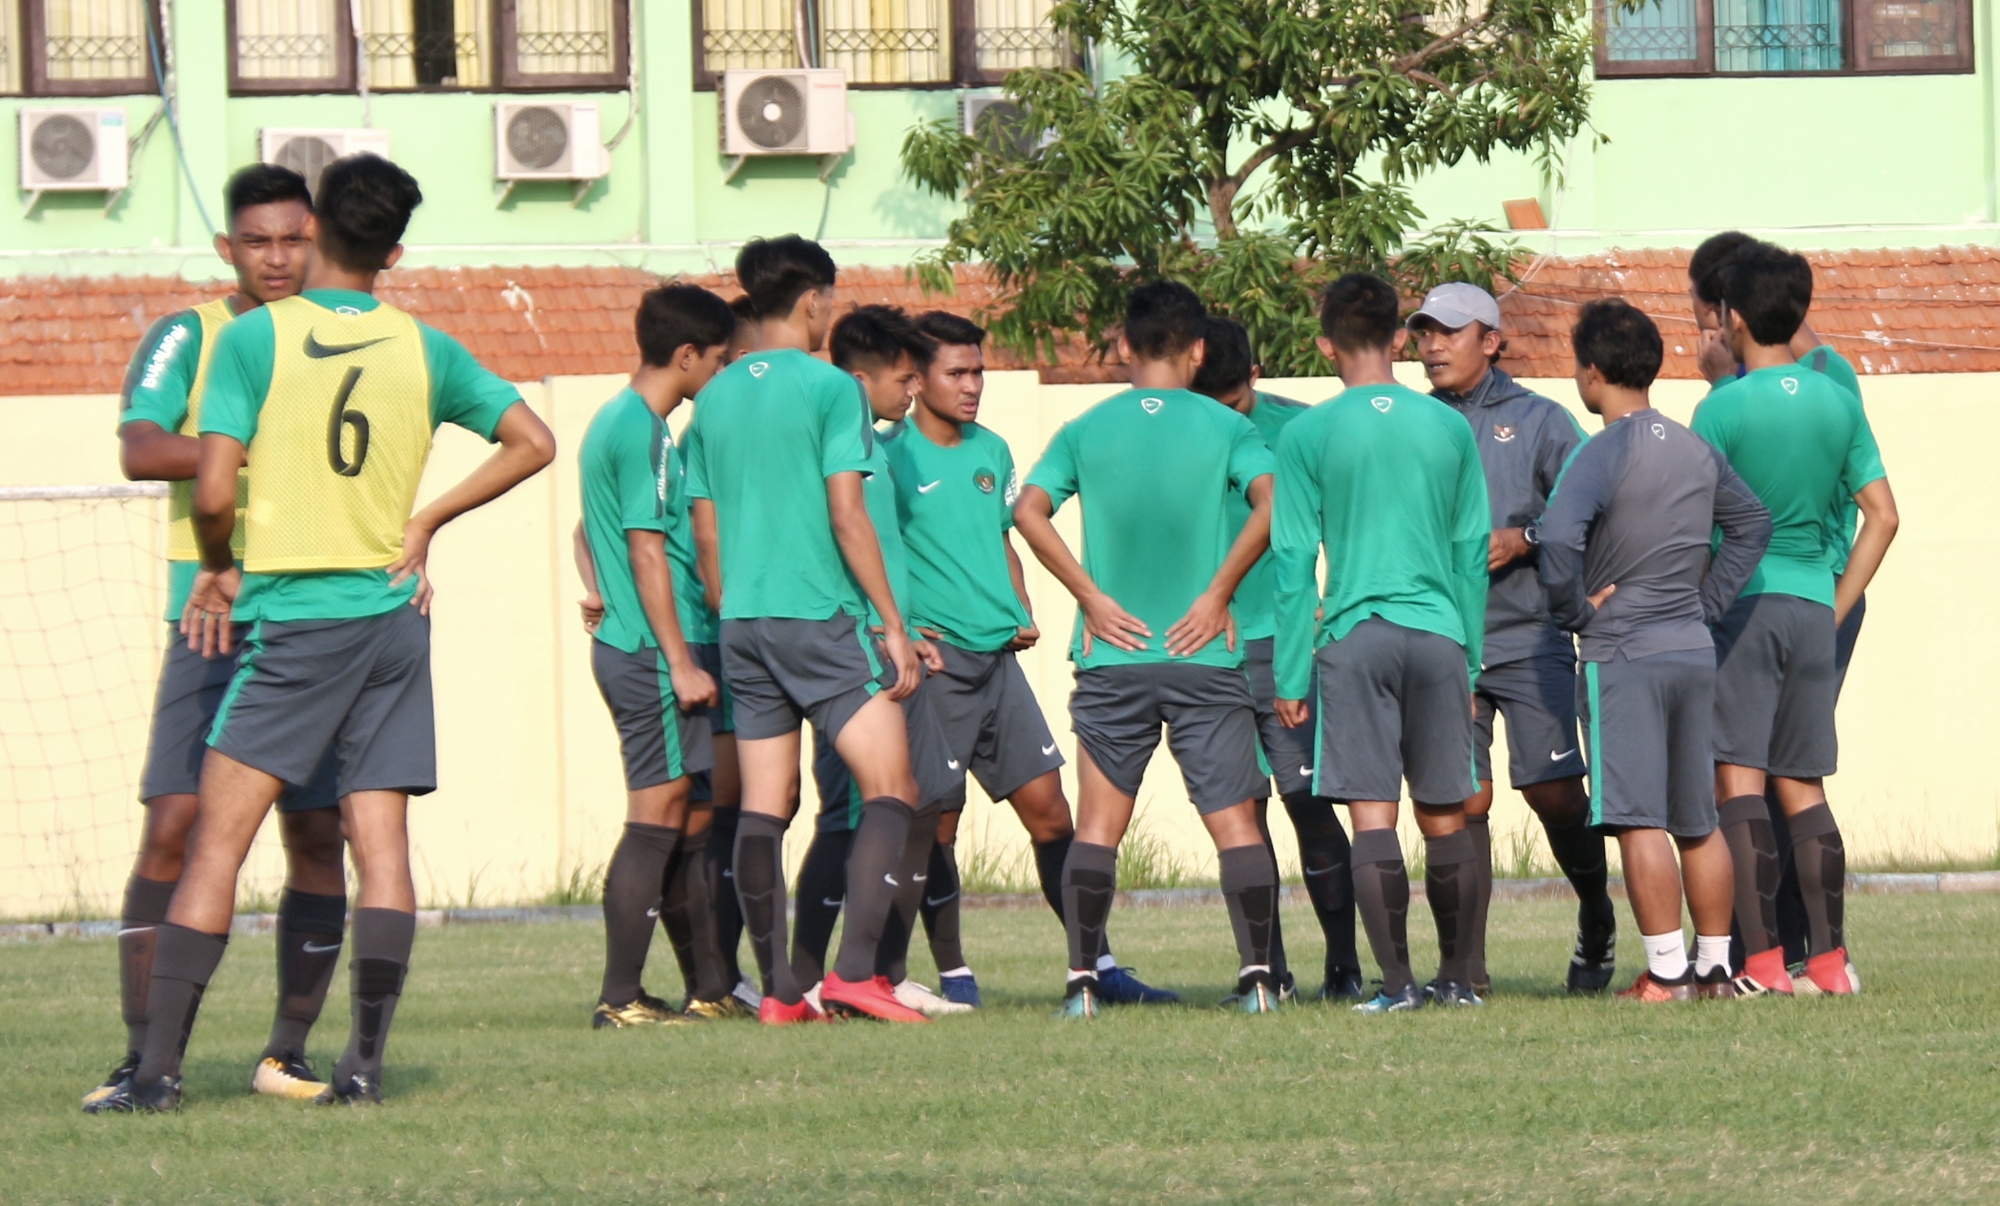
<point x="1886" y="884"/>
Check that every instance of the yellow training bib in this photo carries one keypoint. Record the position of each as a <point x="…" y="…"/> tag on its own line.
<point x="341" y="441"/>
<point x="181" y="544"/>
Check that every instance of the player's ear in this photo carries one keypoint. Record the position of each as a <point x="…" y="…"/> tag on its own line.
<point x="223" y="249"/>
<point x="1124" y="348"/>
<point x="389" y="261"/>
<point x="1396" y="342"/>
<point x="1198" y="350"/>
<point x="1490" y="343"/>
<point x="1325" y="346"/>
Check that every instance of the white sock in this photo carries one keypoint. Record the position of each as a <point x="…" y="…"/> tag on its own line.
<point x="1106" y="962"/>
<point x="1248" y="968"/>
<point x="956" y="971"/>
<point x="1711" y="952"/>
<point x="1075" y="975"/>
<point x="1666" y="955"/>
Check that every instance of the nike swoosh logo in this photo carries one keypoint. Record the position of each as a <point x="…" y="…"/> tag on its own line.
<point x="831" y="904"/>
<point x="311" y="949"/>
<point x="932" y="904"/>
<point x="1048" y="749"/>
<point x="927" y="489"/>
<point x="1306" y="771"/>
<point x="952" y="764"/>
<point x="917" y="879"/>
<point x="652" y="912"/>
<point x="1321" y="871"/>
<point x="136" y="929"/>
<point x="320" y="351"/>
<point x="891" y="881"/>
<point x="1555" y="757"/>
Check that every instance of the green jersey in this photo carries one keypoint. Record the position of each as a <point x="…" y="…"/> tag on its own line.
<point x="1256" y="603"/>
<point x="767" y="433"/>
<point x="1803" y="444"/>
<point x="159" y="387"/>
<point x="878" y="490"/>
<point x="1154" y="469"/>
<point x="1389" y="481"/>
<point x="631" y="483"/>
<point x="955" y="506"/>
<point x="1841" y="523"/>
<point x="462" y="392"/>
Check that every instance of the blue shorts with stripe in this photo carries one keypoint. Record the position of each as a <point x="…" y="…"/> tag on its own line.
<point x="659" y="740"/>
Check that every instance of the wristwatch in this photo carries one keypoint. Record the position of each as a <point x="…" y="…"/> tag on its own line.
<point x="1532" y="535"/>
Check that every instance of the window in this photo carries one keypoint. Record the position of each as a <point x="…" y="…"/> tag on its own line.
<point x="309" y="45"/>
<point x="885" y="43"/>
<point x="77" y="47"/>
<point x="1784" y="37"/>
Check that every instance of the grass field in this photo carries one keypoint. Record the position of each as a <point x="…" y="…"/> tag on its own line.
<point x="499" y="1091"/>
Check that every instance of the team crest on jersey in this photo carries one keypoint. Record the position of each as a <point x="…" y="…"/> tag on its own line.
<point x="1659" y="431"/>
<point x="984" y="481"/>
<point x="1791" y="384"/>
<point x="1382" y="404"/>
<point x="1503" y="433"/>
<point x="759" y="367"/>
<point x="1151" y="405"/>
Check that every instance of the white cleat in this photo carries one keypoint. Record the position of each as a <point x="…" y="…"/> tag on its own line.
<point x="747" y="993"/>
<point x="913" y="995"/>
<point x="812" y="999"/>
<point x="291" y="1077"/>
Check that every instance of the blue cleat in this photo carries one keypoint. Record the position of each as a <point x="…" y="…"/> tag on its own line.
<point x="960" y="990"/>
<point x="1407" y="1001"/>
<point x="1453" y="993"/>
<point x="1256" y="993"/>
<point x="1080" y="1002"/>
<point x="1118" y="986"/>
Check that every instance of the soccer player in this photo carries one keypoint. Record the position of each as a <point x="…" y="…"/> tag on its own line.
<point x="331" y="397"/>
<point x="1529" y="675"/>
<point x="1229" y="374"/>
<point x="775" y="459"/>
<point x="1389" y="482"/>
<point x="641" y="553"/>
<point x="1804" y="445"/>
<point x="266" y="245"/>
<point x="1153" y="467"/>
<point x="1626" y="565"/>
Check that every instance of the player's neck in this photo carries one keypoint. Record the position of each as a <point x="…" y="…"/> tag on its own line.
<point x="1364" y="366"/>
<point x="792" y="333"/>
<point x="943" y="432"/>
<point x="1804" y="340"/>
<point x="1160" y="374"/>
<point x="1767" y="355"/>
<point x="1618" y="402"/>
<point x="325" y="274"/>
<point x="661" y="388"/>
<point x="241" y="303"/>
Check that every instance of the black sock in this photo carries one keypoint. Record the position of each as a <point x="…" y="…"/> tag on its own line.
<point x="1481" y="836"/>
<point x="1090" y="879"/>
<point x="183" y="962"/>
<point x="1382" y="895"/>
<point x="382" y="942"/>
<point x="309" y="929"/>
<point x="913" y="875"/>
<point x="1451" y="880"/>
<point x="1250" y="888"/>
<point x="941" y="901"/>
<point x="1790" y="905"/>
<point x="1746" y="826"/>
<point x="1578" y="849"/>
<point x="816" y="900"/>
<point x="631" y="902"/>
<point x="722" y="890"/>
<point x="687" y="904"/>
<point x="145" y="908"/>
<point x="1049" y="859"/>
<point x="676" y="909"/>
<point x="872" y="882"/>
<point x="1325" y="859"/>
<point x="1821" y="858"/>
<point x="760" y="886"/>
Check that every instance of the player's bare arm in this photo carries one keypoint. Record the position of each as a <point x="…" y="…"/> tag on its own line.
<point x="592" y="603"/>
<point x="205" y="622"/>
<point x="707" y="550"/>
<point x="861" y="548"/>
<point x="1210" y="613"/>
<point x="1878" y="528"/>
<point x="1507" y="545"/>
<point x="653" y="575"/>
<point x="526" y="448"/>
<point x="1018" y="575"/>
<point x="148" y="452"/>
<point x="1103" y="619"/>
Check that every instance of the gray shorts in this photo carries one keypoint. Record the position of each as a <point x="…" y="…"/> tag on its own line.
<point x="991" y="719"/>
<point x="1775" y="685"/>
<point x="361" y="686"/>
<point x="1394" y="704"/>
<point x="1116" y="713"/>
<point x="722" y="713"/>
<point x="1649" y="729"/>
<point x="1289" y="751"/>
<point x="1537" y="695"/>
<point x="939" y="773"/>
<point x="783" y="671"/>
<point x="191" y="689"/>
<point x="660" y="742"/>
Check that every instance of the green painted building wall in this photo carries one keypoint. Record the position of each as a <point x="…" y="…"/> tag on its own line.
<point x="1829" y="162"/>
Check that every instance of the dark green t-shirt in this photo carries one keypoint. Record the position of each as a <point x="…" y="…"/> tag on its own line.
<point x="1840" y="524"/>
<point x="158" y="386"/>
<point x="627" y="480"/>
<point x="767" y="433"/>
<point x="878" y="490"/>
<point x="955" y="506"/>
<point x="1256" y="603"/>
<point x="1388" y="480"/>
<point x="1803" y="444"/>
<point x="1154" y="469"/>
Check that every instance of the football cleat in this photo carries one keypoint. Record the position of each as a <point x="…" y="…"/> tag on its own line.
<point x="871" y="998"/>
<point x="926" y="1002"/>
<point x="132" y="1098"/>
<point x="747" y="993"/>
<point x="730" y="1006"/>
<point x="1384" y="1001"/>
<point x="642" y="1010"/>
<point x="1454" y="994"/>
<point x="1715" y="984"/>
<point x="1764" y="975"/>
<point x="1255" y="993"/>
<point x="1342" y="984"/>
<point x="774" y="1012"/>
<point x="1118" y="986"/>
<point x="288" y="1075"/>
<point x="119" y="1075"/>
<point x="1829" y="975"/>
<point x="1652" y="991"/>
<point x="960" y="990"/>
<point x="1080" y="1001"/>
<point x="1595" y="959"/>
<point x="355" y="1090"/>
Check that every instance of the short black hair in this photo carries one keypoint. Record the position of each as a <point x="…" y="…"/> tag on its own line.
<point x="743" y="308"/>
<point x="674" y="316"/>
<point x="1770" y="287"/>
<point x="1360" y="312"/>
<point x="776" y="273"/>
<point x="945" y="327"/>
<point x="1617" y="339"/>
<point x="1162" y="318"/>
<point x="1708" y="257"/>
<point x="264" y="184"/>
<point x="364" y="206"/>
<point x="1227" y="362"/>
<point x="872" y="337"/>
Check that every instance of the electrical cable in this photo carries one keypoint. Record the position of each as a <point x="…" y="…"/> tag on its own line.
<point x="174" y="125"/>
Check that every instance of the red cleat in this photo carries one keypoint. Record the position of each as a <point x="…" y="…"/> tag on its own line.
<point x="1830" y="973"/>
<point x="868" y="999"/>
<point x="1764" y="975"/>
<point x="773" y="1012"/>
<point x="1654" y="992"/>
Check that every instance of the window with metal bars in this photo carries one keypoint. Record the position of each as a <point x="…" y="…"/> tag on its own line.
<point x="1784" y="37"/>
<point x="880" y="43"/>
<point x="77" y="47"/>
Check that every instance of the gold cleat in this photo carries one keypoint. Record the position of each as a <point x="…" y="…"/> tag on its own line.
<point x="119" y="1078"/>
<point x="642" y="1010"/>
<point x="289" y="1076"/>
<point x="727" y="1009"/>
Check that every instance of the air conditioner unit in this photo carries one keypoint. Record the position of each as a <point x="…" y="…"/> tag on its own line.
<point x="795" y="111"/>
<point x="308" y="152"/>
<point x="999" y="122"/>
<point x="554" y="141"/>
<point x="73" y="150"/>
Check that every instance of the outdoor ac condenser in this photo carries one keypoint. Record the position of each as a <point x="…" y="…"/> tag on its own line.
<point x="73" y="150"/>
<point x="997" y="121"/>
<point x="556" y="140"/>
<point x="308" y="152"/>
<point x="792" y="111"/>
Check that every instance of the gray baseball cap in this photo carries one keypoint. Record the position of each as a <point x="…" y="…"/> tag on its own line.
<point x="1456" y="303"/>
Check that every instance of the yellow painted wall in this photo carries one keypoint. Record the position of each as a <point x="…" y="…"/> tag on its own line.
<point x="528" y="760"/>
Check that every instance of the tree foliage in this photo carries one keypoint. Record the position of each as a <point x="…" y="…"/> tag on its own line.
<point x="1254" y="149"/>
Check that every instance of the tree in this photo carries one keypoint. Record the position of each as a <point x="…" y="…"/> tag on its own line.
<point x="1255" y="149"/>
